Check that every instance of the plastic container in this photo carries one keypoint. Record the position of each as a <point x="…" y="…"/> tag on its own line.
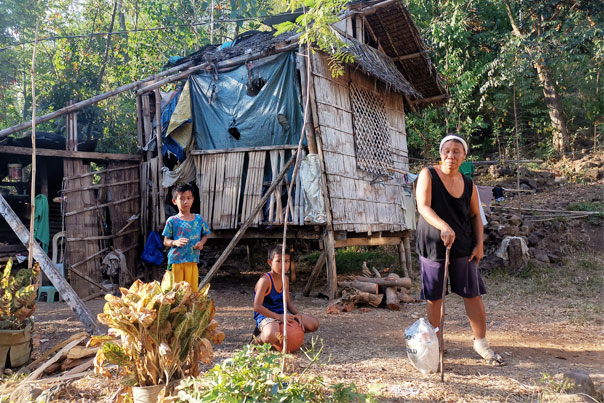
<point x="146" y="394"/>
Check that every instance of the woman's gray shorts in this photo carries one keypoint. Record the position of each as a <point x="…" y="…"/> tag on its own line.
<point x="464" y="278"/>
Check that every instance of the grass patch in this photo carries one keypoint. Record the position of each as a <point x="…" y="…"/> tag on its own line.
<point x="595" y="219"/>
<point x="350" y="260"/>
<point x="580" y="280"/>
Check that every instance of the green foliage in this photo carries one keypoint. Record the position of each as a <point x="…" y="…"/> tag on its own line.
<point x="253" y="374"/>
<point x="315" y="28"/>
<point x="595" y="219"/>
<point x="18" y="295"/>
<point x="553" y="385"/>
<point x="350" y="259"/>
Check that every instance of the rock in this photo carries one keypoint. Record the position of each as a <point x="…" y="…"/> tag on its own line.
<point x="515" y="220"/>
<point x="553" y="258"/>
<point x="540" y="255"/>
<point x="524" y="230"/>
<point x="25" y="393"/>
<point x="564" y="398"/>
<point x="594" y="173"/>
<point x="580" y="380"/>
<point x="530" y="182"/>
<point x="561" y="180"/>
<point x="508" y="229"/>
<point x="533" y="239"/>
<point x="495" y="171"/>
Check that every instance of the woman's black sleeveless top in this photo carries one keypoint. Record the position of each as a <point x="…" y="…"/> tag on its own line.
<point x="456" y="213"/>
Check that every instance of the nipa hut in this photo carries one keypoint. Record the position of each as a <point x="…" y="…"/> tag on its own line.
<point x="232" y="126"/>
<point x="237" y="117"/>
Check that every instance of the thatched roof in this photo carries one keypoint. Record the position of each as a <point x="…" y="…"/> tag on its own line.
<point x="380" y="66"/>
<point x="400" y="39"/>
<point x="404" y="66"/>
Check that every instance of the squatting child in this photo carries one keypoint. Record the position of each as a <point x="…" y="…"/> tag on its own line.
<point x="185" y="234"/>
<point x="268" y="299"/>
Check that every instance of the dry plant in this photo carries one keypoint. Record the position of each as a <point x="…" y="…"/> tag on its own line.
<point x="164" y="330"/>
<point x="18" y="296"/>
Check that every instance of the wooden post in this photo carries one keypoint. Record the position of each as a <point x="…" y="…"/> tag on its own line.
<point x="246" y="225"/>
<point x="139" y="121"/>
<point x="328" y="238"/>
<point x="407" y="245"/>
<point x="160" y="160"/>
<point x="33" y="150"/>
<point x="315" y="273"/>
<point x="402" y="258"/>
<point x="65" y="290"/>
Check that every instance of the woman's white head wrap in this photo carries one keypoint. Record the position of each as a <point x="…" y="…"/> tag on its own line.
<point x="453" y="137"/>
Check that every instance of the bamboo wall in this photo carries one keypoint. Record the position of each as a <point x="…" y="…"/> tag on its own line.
<point x="357" y="204"/>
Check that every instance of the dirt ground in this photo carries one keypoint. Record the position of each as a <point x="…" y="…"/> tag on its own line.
<point x="547" y="320"/>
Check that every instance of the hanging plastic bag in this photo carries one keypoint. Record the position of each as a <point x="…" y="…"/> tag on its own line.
<point x="422" y="346"/>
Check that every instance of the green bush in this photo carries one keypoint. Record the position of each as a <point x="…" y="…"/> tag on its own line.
<point x="254" y="374"/>
<point x="350" y="259"/>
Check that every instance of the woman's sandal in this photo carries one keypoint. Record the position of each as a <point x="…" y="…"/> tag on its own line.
<point x="496" y="360"/>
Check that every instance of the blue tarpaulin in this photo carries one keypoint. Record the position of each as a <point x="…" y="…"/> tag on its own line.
<point x="223" y="110"/>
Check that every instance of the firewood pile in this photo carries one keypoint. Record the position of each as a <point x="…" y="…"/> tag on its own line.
<point x="69" y="357"/>
<point x="374" y="289"/>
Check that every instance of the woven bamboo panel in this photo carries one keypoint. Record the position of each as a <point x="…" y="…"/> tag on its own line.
<point x="372" y="137"/>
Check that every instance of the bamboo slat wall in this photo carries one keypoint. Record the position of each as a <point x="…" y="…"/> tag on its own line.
<point x="79" y="226"/>
<point x="357" y="204"/>
<point x="231" y="185"/>
<point x="122" y="214"/>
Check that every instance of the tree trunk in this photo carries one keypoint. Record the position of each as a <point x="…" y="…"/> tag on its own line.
<point x="550" y="91"/>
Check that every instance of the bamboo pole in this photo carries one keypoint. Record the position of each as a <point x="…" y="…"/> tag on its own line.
<point x="96" y="99"/>
<point x="32" y="195"/>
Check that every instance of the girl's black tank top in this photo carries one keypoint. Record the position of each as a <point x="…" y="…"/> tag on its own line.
<point x="455" y="212"/>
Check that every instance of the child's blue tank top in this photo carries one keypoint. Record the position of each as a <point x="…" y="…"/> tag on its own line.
<point x="273" y="301"/>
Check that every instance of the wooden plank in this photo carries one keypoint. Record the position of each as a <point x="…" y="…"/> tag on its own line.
<point x="274" y="156"/>
<point x="314" y="274"/>
<point x="101" y="237"/>
<point x="99" y="186"/>
<point x="225" y="254"/>
<point x="89" y="155"/>
<point x="218" y="191"/>
<point x="381" y="241"/>
<point x="239" y="186"/>
<point x="99" y="206"/>
<point x="244" y="149"/>
<point x="99" y="172"/>
<point x="57" y="280"/>
<point x="36" y="374"/>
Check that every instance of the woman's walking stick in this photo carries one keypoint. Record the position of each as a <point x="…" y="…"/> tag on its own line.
<point x="442" y="315"/>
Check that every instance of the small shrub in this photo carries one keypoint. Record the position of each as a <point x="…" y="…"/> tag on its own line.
<point x="254" y="374"/>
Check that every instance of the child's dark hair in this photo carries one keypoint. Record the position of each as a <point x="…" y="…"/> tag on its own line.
<point x="276" y="250"/>
<point x="181" y="188"/>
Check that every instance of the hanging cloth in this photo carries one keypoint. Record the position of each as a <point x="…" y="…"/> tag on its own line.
<point x="41" y="226"/>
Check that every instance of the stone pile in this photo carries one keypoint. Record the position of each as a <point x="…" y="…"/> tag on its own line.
<point x="501" y="225"/>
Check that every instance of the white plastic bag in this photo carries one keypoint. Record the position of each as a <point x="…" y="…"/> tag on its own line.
<point x="422" y="346"/>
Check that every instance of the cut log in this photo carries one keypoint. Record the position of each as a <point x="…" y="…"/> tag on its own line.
<point x="376" y="273"/>
<point x="81" y="352"/>
<point x="365" y="270"/>
<point x="59" y="346"/>
<point x="359" y="285"/>
<point x="52" y="368"/>
<point x="36" y="374"/>
<point x="360" y="296"/>
<point x="406" y="298"/>
<point x="385" y="282"/>
<point x="69" y="363"/>
<point x="392" y="299"/>
<point x="339" y="306"/>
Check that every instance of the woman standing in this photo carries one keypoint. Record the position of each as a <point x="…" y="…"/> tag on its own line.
<point x="450" y="218"/>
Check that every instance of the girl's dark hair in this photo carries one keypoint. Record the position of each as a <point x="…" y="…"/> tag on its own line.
<point x="276" y="250"/>
<point x="180" y="189"/>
